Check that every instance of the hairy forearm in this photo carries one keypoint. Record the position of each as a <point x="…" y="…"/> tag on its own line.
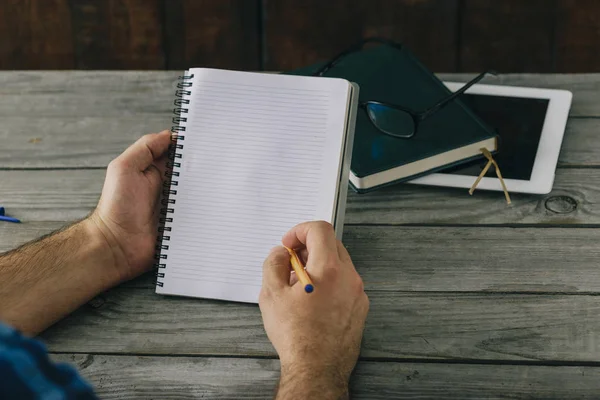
<point x="311" y="383"/>
<point x="47" y="279"/>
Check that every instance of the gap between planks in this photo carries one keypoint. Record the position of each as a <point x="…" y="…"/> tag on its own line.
<point x="458" y="361"/>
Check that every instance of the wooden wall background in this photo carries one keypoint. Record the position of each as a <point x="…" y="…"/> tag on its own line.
<point x="448" y="35"/>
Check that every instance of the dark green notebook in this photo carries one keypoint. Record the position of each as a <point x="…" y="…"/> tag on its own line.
<point x="449" y="137"/>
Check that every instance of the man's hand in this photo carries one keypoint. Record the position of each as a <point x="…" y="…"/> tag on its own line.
<point x="46" y="279"/>
<point x="127" y="213"/>
<point x="316" y="335"/>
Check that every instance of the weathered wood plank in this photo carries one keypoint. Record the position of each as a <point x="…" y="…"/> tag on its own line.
<point x="217" y="34"/>
<point x="579" y="147"/>
<point x="50" y="195"/>
<point x="135" y="377"/>
<point x="118" y="34"/>
<point x="67" y="195"/>
<point x="455" y="259"/>
<point x="71" y="141"/>
<point x="577" y="35"/>
<point x="399" y="326"/>
<point x="36" y="34"/>
<point x="79" y="94"/>
<point x="486" y="43"/>
<point x="335" y="25"/>
<point x="92" y="141"/>
<point x="573" y="200"/>
<point x="110" y="94"/>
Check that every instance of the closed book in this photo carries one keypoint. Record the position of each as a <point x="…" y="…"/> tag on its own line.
<point x="451" y="136"/>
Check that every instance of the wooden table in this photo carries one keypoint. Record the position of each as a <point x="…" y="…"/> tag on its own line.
<point x="470" y="298"/>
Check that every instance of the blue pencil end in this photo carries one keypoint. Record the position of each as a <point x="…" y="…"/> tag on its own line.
<point x="309" y="288"/>
<point x="9" y="219"/>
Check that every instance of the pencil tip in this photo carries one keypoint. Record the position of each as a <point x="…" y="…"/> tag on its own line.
<point x="309" y="288"/>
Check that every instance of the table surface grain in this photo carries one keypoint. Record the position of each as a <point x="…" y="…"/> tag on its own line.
<point x="470" y="298"/>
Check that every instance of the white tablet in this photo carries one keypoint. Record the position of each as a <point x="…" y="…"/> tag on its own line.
<point x="531" y="125"/>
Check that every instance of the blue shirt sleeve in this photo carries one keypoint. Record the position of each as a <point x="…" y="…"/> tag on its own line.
<point x="26" y="372"/>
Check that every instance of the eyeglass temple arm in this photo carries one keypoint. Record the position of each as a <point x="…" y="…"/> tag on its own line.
<point x="355" y="48"/>
<point x="444" y="102"/>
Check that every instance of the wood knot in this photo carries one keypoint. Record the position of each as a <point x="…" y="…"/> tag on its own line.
<point x="561" y="204"/>
<point x="412" y="376"/>
<point x="89" y="360"/>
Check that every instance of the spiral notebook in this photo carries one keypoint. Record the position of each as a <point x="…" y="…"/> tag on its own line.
<point x="255" y="155"/>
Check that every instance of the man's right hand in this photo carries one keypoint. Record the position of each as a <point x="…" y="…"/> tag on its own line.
<point x="316" y="335"/>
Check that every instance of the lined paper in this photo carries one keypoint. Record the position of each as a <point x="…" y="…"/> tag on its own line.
<point x="262" y="152"/>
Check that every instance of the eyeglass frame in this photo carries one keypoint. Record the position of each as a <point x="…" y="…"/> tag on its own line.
<point x="417" y="116"/>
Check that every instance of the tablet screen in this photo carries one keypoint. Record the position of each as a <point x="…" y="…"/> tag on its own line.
<point x="519" y="123"/>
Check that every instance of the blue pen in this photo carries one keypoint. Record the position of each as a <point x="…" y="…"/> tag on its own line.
<point x="8" y="219"/>
<point x="5" y="218"/>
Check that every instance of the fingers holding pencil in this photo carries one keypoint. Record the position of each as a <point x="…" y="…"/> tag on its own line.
<point x="310" y="244"/>
<point x="318" y="237"/>
<point x="301" y="273"/>
<point x="276" y="269"/>
<point x="281" y="270"/>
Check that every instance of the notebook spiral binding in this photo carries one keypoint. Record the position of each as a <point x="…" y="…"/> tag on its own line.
<point x="173" y="165"/>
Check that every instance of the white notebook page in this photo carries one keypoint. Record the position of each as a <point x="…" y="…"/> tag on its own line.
<point x="261" y="154"/>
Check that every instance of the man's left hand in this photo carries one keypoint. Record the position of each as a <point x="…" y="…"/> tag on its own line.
<point x="127" y="213"/>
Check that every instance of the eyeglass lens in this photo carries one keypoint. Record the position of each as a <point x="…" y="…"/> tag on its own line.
<point x="390" y="120"/>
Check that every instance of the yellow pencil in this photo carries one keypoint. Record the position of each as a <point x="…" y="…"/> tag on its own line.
<point x="300" y="271"/>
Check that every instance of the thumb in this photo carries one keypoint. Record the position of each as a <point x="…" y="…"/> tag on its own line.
<point x="276" y="269"/>
<point x="146" y="150"/>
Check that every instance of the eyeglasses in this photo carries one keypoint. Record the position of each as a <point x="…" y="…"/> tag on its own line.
<point x="392" y="119"/>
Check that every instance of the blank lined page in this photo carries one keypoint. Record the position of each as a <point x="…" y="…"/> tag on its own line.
<point x="261" y="153"/>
